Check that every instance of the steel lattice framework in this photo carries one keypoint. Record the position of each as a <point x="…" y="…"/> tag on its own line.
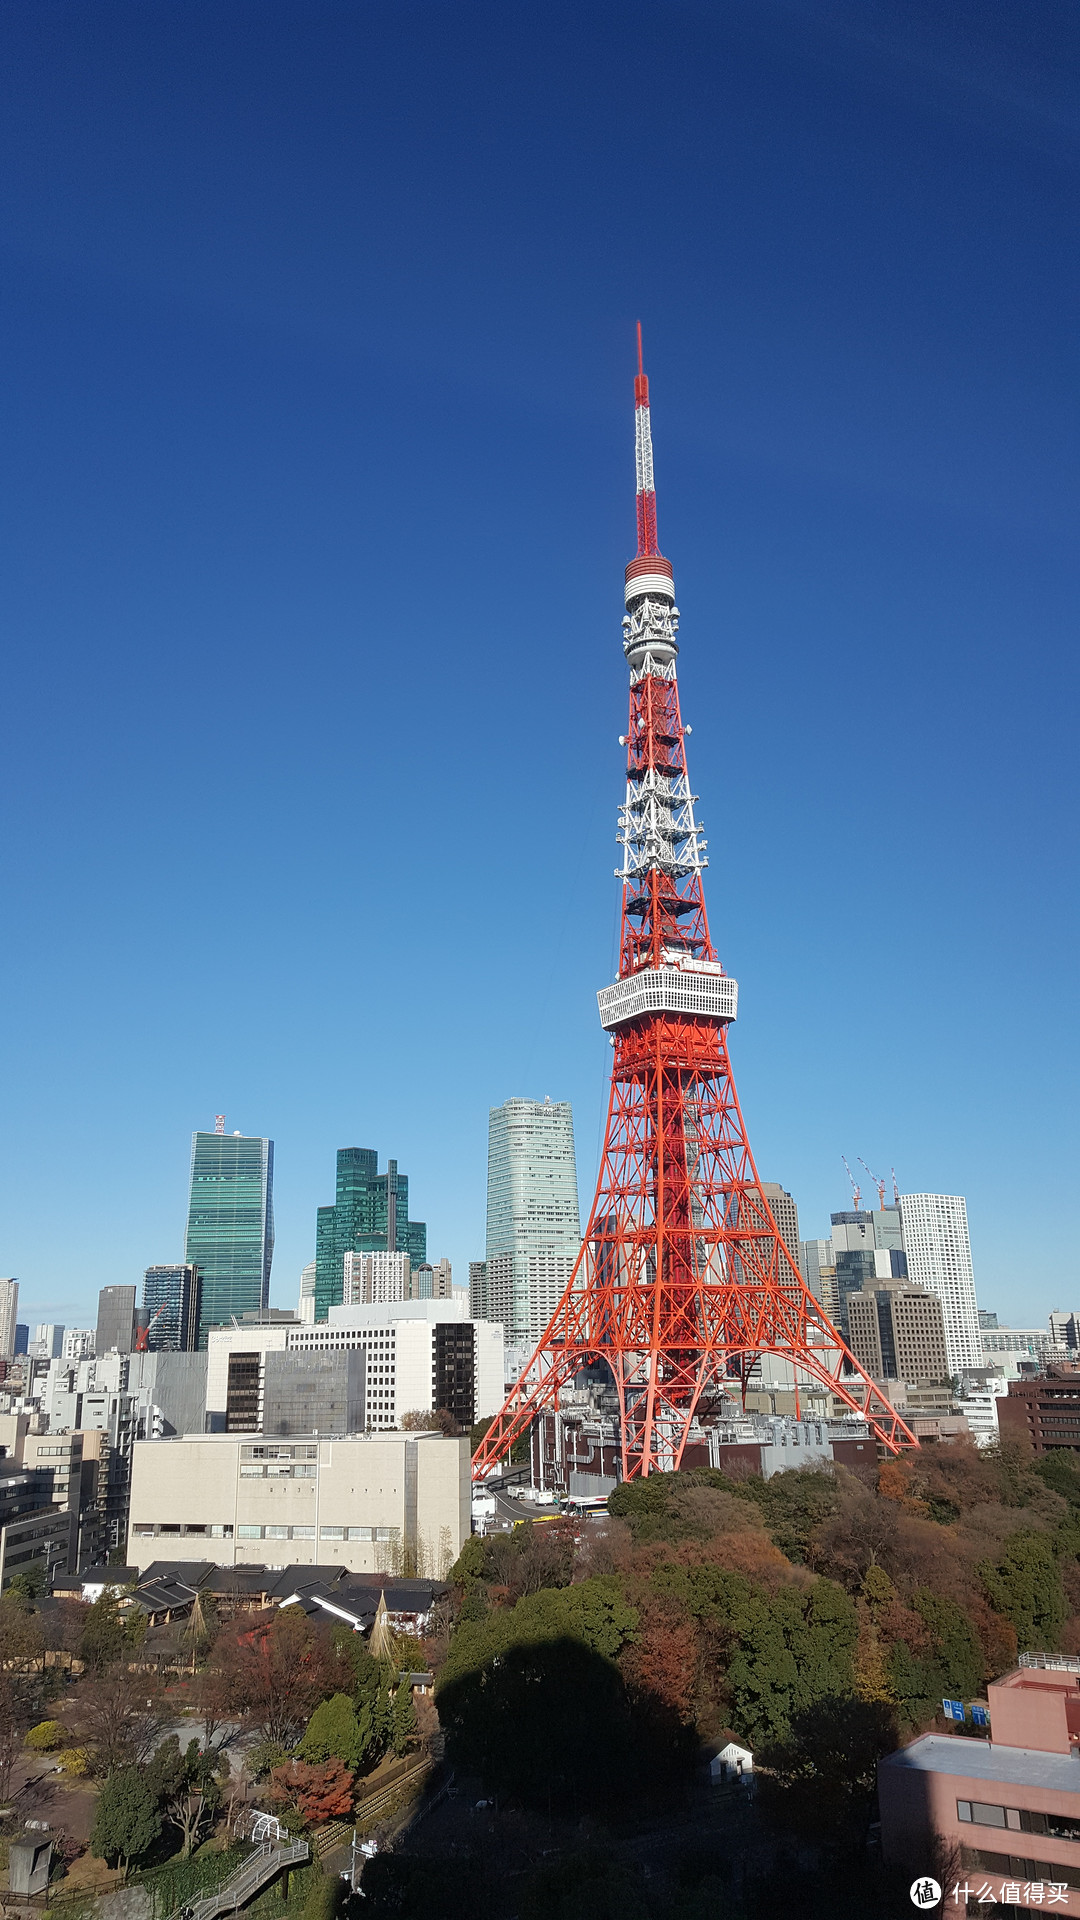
<point x="683" y="1279"/>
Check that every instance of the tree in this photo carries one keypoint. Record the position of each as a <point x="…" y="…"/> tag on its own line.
<point x="186" y="1786"/>
<point x="109" y="1636"/>
<point x="12" y="1722"/>
<point x="1026" y="1587"/>
<point x="403" y="1727"/>
<point x="118" y="1715"/>
<point x="333" y="1733"/>
<point x="274" y="1674"/>
<point x="794" y="1649"/>
<point x="21" y="1640"/>
<point x="126" y="1820"/>
<point x="321" y="1793"/>
<point x="820" y="1779"/>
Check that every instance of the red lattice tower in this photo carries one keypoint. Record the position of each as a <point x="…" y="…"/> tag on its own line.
<point x="683" y="1277"/>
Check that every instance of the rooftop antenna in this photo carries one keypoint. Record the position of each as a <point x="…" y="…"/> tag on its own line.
<point x="219" y="1123"/>
<point x="878" y="1182"/>
<point x="855" y="1187"/>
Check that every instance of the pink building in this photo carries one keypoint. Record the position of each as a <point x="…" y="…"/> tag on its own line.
<point x="1003" y="1814"/>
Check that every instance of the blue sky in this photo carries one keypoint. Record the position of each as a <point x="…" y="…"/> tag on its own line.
<point x="318" y="334"/>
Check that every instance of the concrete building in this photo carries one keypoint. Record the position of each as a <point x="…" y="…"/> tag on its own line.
<point x="432" y="1281"/>
<point x="78" y="1344"/>
<point x="1043" y="1412"/>
<point x="786" y="1214"/>
<point x="897" y="1331"/>
<point x="34" y="1536"/>
<point x="9" y="1308"/>
<point x="1012" y="1351"/>
<point x="998" y="1814"/>
<point x="46" y="1341"/>
<point x="935" y="1227"/>
<point x="115" y="1320"/>
<point x="1064" y="1331"/>
<point x="374" y="1277"/>
<point x="533" y="1220"/>
<point x="306" y="1306"/>
<point x="311" y="1393"/>
<point x="479" y="1291"/>
<point x="368" y="1502"/>
<point x="420" y="1355"/>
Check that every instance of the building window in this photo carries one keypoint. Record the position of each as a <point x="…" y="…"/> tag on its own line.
<point x="303" y="1533"/>
<point x="249" y="1533"/>
<point x="331" y="1533"/>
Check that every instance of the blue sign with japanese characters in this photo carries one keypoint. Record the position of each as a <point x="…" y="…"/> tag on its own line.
<point x="953" y="1709"/>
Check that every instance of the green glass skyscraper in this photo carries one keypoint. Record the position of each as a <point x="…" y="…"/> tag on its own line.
<point x="370" y="1215"/>
<point x="230" y="1229"/>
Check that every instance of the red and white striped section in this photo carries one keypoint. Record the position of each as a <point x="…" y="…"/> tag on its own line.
<point x="650" y="573"/>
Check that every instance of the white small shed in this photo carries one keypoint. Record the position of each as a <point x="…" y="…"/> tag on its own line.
<point x="731" y="1762"/>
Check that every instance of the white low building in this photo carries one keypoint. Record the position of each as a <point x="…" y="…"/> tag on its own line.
<point x="371" y="1503"/>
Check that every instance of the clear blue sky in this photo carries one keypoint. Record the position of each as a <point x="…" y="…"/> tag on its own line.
<point x="317" y="334"/>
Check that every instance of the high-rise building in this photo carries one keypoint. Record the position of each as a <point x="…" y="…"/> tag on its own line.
<point x="375" y="1276"/>
<point x="533" y="1222"/>
<point x="115" y="1320"/>
<point x="987" y="1321"/>
<point x="370" y="1214"/>
<point x="171" y="1305"/>
<point x="306" y="1305"/>
<point x="47" y="1342"/>
<point x="432" y="1282"/>
<point x="939" y="1257"/>
<point x="22" y="1336"/>
<point x="786" y="1214"/>
<point x="230" y="1229"/>
<point x="319" y="1393"/>
<point x="866" y="1247"/>
<point x="897" y="1332"/>
<point x="479" y="1292"/>
<point x="9" y="1307"/>
<point x="1064" y="1330"/>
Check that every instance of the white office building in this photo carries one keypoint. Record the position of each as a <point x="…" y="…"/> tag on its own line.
<point x="78" y="1344"/>
<point x="1010" y="1350"/>
<point x="420" y="1355"/>
<point x="306" y="1306"/>
<point x="935" y="1229"/>
<point x="533" y="1220"/>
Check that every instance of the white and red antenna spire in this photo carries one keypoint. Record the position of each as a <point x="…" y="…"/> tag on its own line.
<point x="650" y="573"/>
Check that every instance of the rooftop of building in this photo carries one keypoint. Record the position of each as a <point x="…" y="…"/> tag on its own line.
<point x="983" y="1760"/>
<point x="378" y="1436"/>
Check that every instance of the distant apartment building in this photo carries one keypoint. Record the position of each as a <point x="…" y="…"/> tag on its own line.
<point x="479" y="1291"/>
<point x="1012" y="1351"/>
<point x="897" y="1332"/>
<point x="370" y="1215"/>
<point x="533" y="1221"/>
<point x="78" y="1343"/>
<point x="935" y="1229"/>
<point x="369" y="1502"/>
<point x="171" y="1297"/>
<point x="9" y="1308"/>
<point x="230" y="1226"/>
<point x="306" y="1306"/>
<point x="115" y="1320"/>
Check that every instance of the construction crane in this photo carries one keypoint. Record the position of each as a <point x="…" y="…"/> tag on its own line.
<point x="855" y="1187"/>
<point x="878" y="1182"/>
<point x="142" y="1338"/>
<point x="895" y="1188"/>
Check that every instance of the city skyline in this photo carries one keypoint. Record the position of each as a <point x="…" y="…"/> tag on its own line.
<point x="232" y="427"/>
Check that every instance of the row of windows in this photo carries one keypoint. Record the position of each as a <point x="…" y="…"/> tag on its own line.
<point x="255" y="1471"/>
<point x="1053" y="1826"/>
<point x="308" y="1533"/>
<point x="279" y="1453"/>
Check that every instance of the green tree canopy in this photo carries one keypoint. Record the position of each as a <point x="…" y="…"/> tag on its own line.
<point x="126" y="1819"/>
<point x="1026" y="1587"/>
<point x="333" y="1733"/>
<point x="795" y="1648"/>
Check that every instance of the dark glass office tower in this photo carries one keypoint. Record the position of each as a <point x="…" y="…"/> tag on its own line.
<point x="171" y="1306"/>
<point x="115" y="1320"/>
<point x="370" y="1215"/>
<point x="230" y="1230"/>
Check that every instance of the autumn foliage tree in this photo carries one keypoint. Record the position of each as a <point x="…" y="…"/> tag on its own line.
<point x="320" y="1792"/>
<point x="274" y="1674"/>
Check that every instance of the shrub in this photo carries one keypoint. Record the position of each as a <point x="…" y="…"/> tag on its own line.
<point x="75" y="1761"/>
<point x="46" y="1736"/>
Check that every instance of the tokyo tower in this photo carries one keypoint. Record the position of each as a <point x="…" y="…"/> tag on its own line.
<point x="683" y="1279"/>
